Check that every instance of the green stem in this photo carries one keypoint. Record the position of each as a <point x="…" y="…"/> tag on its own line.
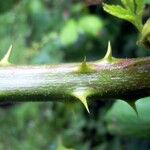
<point x="124" y="79"/>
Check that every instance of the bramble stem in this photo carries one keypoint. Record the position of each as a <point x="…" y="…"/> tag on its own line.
<point x="125" y="79"/>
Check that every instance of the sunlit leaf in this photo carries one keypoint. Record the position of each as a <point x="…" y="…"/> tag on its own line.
<point x="128" y="4"/>
<point x="139" y="8"/>
<point x="119" y="12"/>
<point x="132" y="11"/>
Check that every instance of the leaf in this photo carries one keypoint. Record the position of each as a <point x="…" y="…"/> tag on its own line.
<point x="119" y="12"/>
<point x="129" y="5"/>
<point x="132" y="11"/>
<point x="135" y="6"/>
<point x="122" y="120"/>
<point x="139" y="8"/>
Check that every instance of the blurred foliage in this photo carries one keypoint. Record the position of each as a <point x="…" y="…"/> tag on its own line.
<point x="122" y="120"/>
<point x="54" y="31"/>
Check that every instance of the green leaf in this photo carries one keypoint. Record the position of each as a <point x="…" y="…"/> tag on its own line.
<point x="132" y="11"/>
<point x="128" y="4"/>
<point x="122" y="120"/>
<point x="135" y="6"/>
<point x="139" y="8"/>
<point x="119" y="12"/>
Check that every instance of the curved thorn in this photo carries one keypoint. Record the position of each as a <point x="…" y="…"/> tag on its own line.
<point x="81" y="95"/>
<point x="108" y="55"/>
<point x="5" y="59"/>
